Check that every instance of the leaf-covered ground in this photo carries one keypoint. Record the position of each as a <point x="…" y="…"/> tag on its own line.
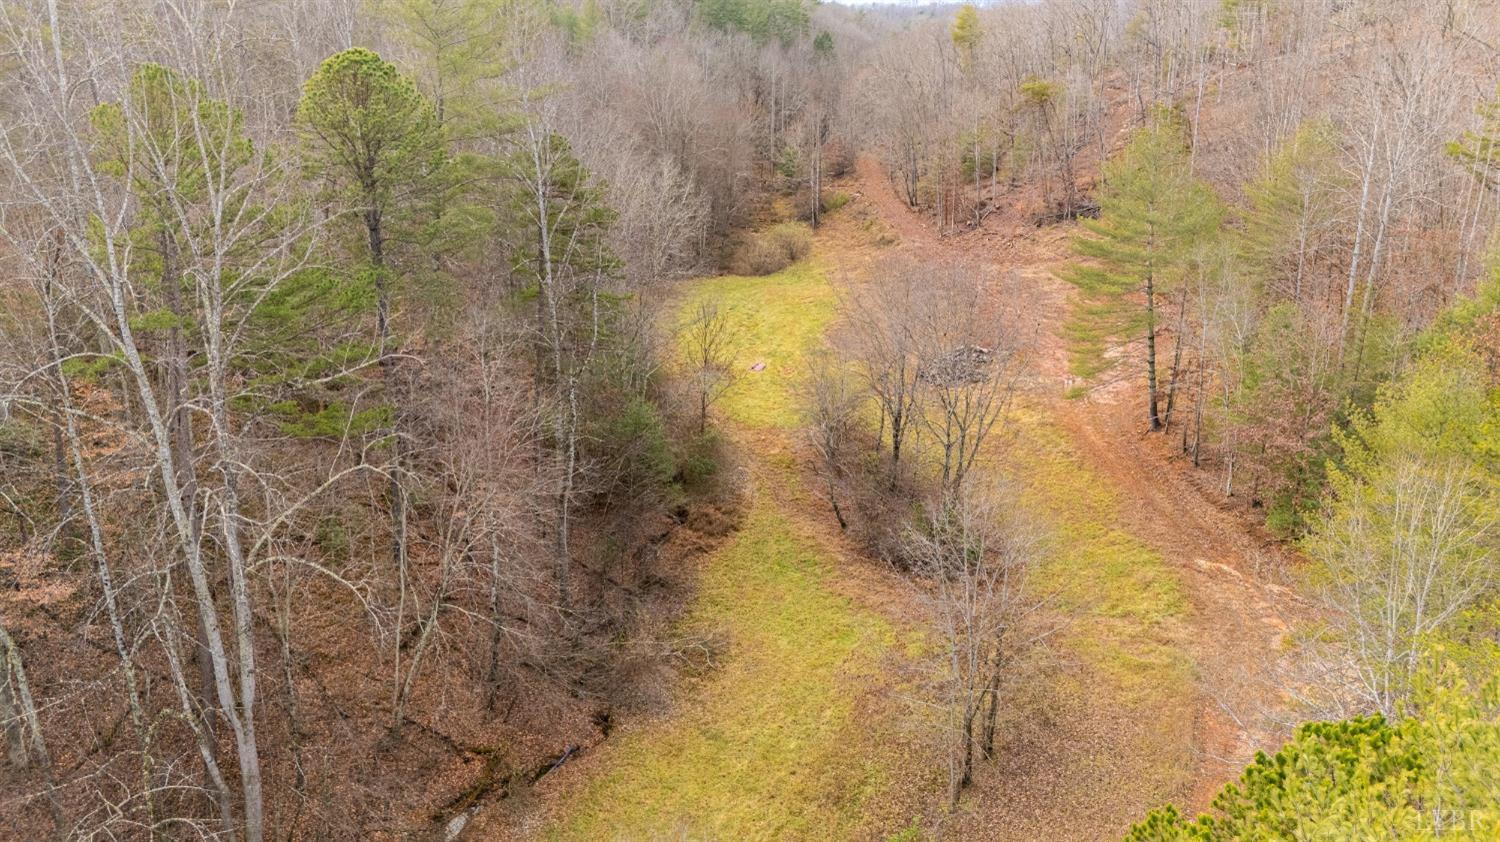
<point x="805" y="725"/>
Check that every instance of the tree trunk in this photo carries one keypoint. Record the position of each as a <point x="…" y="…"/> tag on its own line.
<point x="966" y="767"/>
<point x="102" y="569"/>
<point x="992" y="708"/>
<point x="180" y="429"/>
<point x="815" y="178"/>
<point x="898" y="433"/>
<point x="1229" y="448"/>
<point x="428" y="625"/>
<point x="1176" y="362"/>
<point x="60" y="475"/>
<point x="833" y="501"/>
<point x="242" y="720"/>
<point x="170" y="634"/>
<point x="569" y="458"/>
<point x="10" y="720"/>
<point x="15" y="689"/>
<point x="978" y="184"/>
<point x="1359" y="236"/>
<point x="1155" y="416"/>
<point x="289" y="678"/>
<point x="374" y="228"/>
<point x="497" y="630"/>
<point x="68" y="460"/>
<point x="1199" y="397"/>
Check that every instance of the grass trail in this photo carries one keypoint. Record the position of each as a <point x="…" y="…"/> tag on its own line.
<point x="1131" y="600"/>
<point x="771" y="743"/>
<point x="779" y="741"/>
<point x="780" y="318"/>
<point x="768" y="749"/>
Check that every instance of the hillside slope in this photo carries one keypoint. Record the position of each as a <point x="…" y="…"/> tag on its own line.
<point x="804" y="721"/>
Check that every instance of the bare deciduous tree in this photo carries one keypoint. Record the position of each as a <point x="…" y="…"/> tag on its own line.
<point x="973" y="341"/>
<point x="710" y="339"/>
<point x="832" y="405"/>
<point x="974" y="551"/>
<point x="882" y="340"/>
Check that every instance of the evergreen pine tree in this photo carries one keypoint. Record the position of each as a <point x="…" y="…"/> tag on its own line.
<point x="1291" y="211"/>
<point x="376" y="144"/>
<point x="966" y="36"/>
<point x="1429" y="775"/>
<point x="1479" y="150"/>
<point x="1152" y="213"/>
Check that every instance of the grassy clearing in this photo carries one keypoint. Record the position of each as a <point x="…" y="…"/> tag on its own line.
<point x="782" y="317"/>
<point x="774" y="742"/>
<point x="769" y="748"/>
<point x="1126" y="606"/>
<point x="778" y="740"/>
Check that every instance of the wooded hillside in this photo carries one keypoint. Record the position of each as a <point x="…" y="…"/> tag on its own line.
<point x="477" y="419"/>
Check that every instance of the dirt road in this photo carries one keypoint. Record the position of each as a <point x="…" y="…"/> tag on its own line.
<point x="1229" y="571"/>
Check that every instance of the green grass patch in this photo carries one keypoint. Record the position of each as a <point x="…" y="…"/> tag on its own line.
<point x="769" y="748"/>
<point x="775" y="741"/>
<point x="1126" y="605"/>
<point x="781" y="317"/>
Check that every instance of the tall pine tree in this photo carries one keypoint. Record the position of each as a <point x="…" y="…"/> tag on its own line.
<point x="376" y="144"/>
<point x="966" y="35"/>
<point x="1152" y="213"/>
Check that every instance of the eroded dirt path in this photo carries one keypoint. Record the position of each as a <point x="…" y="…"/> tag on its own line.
<point x="1237" y="613"/>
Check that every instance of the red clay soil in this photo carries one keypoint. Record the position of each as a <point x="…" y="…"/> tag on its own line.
<point x="1227" y="566"/>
